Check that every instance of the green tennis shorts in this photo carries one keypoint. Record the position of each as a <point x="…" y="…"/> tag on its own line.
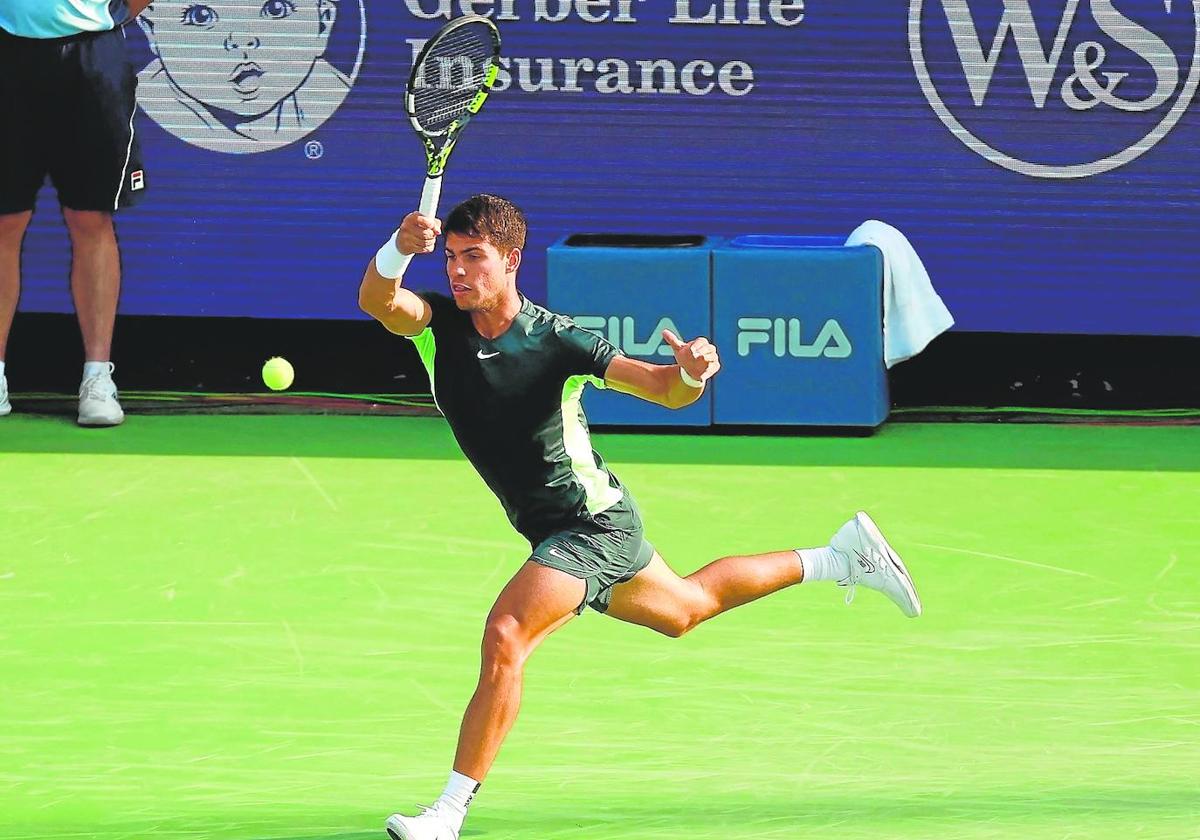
<point x="608" y="549"/>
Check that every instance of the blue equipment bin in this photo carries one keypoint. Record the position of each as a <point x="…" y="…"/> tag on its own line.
<point x="799" y="324"/>
<point x="628" y="288"/>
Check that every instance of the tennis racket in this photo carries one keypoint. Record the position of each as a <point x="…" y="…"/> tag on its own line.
<point x="451" y="78"/>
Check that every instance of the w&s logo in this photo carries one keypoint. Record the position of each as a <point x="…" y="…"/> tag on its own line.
<point x="1057" y="88"/>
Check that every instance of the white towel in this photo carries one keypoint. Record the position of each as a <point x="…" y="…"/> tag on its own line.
<point x="913" y="313"/>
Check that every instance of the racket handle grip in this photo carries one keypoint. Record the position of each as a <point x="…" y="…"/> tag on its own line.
<point x="431" y="193"/>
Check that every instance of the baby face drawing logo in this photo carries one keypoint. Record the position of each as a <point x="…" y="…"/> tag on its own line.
<point x="243" y="76"/>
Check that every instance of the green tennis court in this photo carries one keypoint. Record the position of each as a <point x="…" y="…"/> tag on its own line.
<point x="261" y="627"/>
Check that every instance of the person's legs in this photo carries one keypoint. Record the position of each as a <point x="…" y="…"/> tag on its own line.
<point x="536" y="602"/>
<point x="12" y="232"/>
<point x="95" y="285"/>
<point x="23" y="94"/>
<point x="658" y="598"/>
<point x="96" y="169"/>
<point x="95" y="278"/>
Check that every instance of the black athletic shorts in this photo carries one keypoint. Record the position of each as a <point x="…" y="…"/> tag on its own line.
<point x="66" y="107"/>
<point x="607" y="550"/>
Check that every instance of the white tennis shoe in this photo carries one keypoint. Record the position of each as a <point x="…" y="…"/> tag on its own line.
<point x="874" y="564"/>
<point x="98" y="404"/>
<point x="5" y="405"/>
<point x="433" y="823"/>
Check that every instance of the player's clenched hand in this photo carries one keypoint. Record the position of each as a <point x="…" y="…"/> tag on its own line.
<point x="698" y="357"/>
<point x="418" y="234"/>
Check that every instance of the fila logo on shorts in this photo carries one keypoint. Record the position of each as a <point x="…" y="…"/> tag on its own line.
<point x="137" y="179"/>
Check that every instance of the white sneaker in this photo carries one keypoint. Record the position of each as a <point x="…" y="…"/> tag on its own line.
<point x="98" y="404"/>
<point x="874" y="564"/>
<point x="5" y="405"/>
<point x="433" y="823"/>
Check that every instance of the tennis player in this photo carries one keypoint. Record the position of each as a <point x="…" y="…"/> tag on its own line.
<point x="508" y="375"/>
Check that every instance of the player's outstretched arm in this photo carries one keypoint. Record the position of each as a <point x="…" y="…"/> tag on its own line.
<point x="673" y="386"/>
<point x="382" y="297"/>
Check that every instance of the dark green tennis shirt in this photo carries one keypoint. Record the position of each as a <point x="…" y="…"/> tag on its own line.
<point x="513" y="404"/>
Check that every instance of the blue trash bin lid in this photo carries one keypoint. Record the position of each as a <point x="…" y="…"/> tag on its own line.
<point x="634" y="240"/>
<point x="755" y="240"/>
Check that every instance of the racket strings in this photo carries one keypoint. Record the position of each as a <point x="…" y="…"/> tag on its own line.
<point x="452" y="72"/>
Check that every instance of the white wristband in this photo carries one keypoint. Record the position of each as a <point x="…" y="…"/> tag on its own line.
<point x="389" y="262"/>
<point x="688" y="380"/>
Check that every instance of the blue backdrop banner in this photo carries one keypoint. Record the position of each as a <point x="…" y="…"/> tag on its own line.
<point x="1039" y="155"/>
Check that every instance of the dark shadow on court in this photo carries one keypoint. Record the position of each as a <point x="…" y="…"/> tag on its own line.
<point x="916" y="445"/>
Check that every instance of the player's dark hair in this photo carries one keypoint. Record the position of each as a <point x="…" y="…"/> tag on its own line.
<point x="489" y="217"/>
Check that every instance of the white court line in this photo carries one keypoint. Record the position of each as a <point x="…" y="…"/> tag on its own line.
<point x="313" y="480"/>
<point x="1009" y="559"/>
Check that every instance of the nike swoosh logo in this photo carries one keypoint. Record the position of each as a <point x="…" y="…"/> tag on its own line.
<point x="483" y="355"/>
<point x="556" y="553"/>
<point x="865" y="562"/>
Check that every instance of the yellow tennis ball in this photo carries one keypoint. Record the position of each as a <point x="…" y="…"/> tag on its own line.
<point x="277" y="373"/>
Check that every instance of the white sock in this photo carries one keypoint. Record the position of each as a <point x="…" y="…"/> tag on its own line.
<point x="1" y="367"/>
<point x="91" y="369"/>
<point x="823" y="564"/>
<point x="459" y="792"/>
